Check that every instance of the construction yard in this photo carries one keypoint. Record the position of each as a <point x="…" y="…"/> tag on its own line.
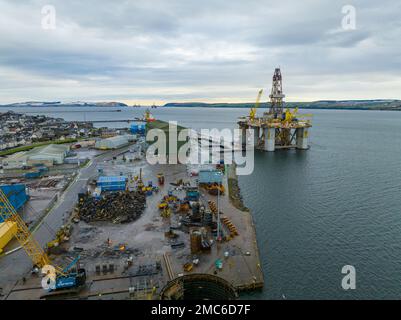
<point x="132" y="242"/>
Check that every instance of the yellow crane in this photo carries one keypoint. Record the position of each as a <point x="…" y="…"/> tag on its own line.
<point x="252" y="112"/>
<point x="23" y="235"/>
<point x="64" y="279"/>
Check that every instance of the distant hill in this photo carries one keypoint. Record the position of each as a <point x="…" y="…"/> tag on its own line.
<point x="377" y="104"/>
<point x="64" y="104"/>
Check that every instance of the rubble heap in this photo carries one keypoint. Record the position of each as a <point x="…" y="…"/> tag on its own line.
<point x="117" y="207"/>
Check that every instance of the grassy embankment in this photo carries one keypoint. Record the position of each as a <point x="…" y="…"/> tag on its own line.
<point x="233" y="189"/>
<point x="34" y="145"/>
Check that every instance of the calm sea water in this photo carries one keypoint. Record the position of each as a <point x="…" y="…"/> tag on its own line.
<point x="315" y="211"/>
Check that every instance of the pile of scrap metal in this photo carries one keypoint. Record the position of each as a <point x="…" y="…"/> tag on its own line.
<point x="118" y="207"/>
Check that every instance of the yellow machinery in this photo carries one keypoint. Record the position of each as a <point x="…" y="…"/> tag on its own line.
<point x="7" y="231"/>
<point x="166" y="212"/>
<point x="292" y="115"/>
<point x="188" y="267"/>
<point x="160" y="178"/>
<point x="252" y="113"/>
<point x="62" y="235"/>
<point x="162" y="205"/>
<point x="215" y="189"/>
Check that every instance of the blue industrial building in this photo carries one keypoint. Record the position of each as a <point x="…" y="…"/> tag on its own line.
<point x="210" y="176"/>
<point x="16" y="194"/>
<point x="112" y="183"/>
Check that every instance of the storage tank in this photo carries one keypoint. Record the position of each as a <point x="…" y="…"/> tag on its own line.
<point x="196" y="241"/>
<point x="137" y="128"/>
<point x="134" y="128"/>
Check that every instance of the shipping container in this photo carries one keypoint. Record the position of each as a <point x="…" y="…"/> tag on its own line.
<point x="32" y="175"/>
<point x="112" y="187"/>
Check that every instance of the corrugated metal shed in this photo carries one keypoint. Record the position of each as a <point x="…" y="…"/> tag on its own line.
<point x="112" y="183"/>
<point x="210" y="176"/>
<point x="111" y="179"/>
<point x="50" y="154"/>
<point x="16" y="194"/>
<point x="112" y="143"/>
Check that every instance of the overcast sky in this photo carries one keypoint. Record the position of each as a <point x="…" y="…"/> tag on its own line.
<point x="212" y="51"/>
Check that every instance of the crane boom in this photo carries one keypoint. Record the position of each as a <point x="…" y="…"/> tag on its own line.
<point x="23" y="235"/>
<point x="65" y="278"/>
<point x="252" y="113"/>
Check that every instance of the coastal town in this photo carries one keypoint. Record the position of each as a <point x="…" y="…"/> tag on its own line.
<point x="92" y="201"/>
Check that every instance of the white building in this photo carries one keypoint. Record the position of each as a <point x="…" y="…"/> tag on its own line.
<point x="112" y="143"/>
<point x="48" y="155"/>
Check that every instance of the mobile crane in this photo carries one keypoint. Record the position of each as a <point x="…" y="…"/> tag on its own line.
<point x="65" y="278"/>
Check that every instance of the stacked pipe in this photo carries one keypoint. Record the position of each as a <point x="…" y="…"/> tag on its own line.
<point x="230" y="226"/>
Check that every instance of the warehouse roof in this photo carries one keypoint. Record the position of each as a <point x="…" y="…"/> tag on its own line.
<point x="210" y="176"/>
<point x="116" y="141"/>
<point x="51" y="149"/>
<point x="17" y="156"/>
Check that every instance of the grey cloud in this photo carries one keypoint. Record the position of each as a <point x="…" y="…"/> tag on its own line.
<point x="139" y="50"/>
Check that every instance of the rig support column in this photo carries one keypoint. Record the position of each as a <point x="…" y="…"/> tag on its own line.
<point x="270" y="139"/>
<point x="302" y="138"/>
<point x="243" y="136"/>
<point x="256" y="134"/>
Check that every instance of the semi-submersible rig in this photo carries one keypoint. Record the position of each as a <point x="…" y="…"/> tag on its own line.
<point x="277" y="128"/>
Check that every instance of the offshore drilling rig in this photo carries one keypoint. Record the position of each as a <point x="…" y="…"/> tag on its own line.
<point x="277" y="128"/>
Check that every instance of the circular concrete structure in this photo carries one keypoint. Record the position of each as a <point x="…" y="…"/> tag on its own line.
<point x="198" y="287"/>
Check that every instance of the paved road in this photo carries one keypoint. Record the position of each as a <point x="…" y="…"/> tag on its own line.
<point x="14" y="265"/>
